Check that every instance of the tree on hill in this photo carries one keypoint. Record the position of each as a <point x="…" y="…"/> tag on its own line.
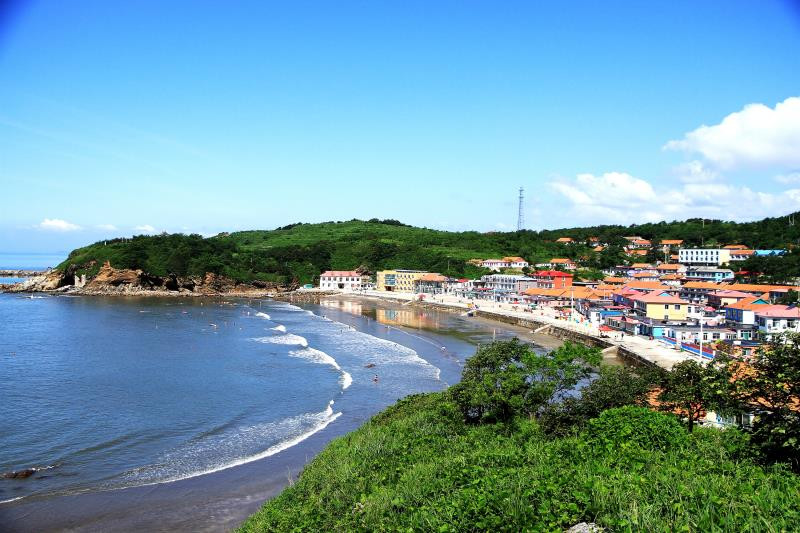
<point x="507" y="379"/>
<point x="772" y="383"/>
<point x="690" y="389"/>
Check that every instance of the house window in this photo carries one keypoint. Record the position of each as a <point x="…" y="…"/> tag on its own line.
<point x="677" y="307"/>
<point x="666" y="306"/>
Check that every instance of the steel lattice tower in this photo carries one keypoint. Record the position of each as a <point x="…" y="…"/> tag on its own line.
<point x="521" y="212"/>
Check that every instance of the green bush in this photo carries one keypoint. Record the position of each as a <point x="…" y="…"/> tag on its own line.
<point x="419" y="467"/>
<point x="631" y="427"/>
<point x="507" y="379"/>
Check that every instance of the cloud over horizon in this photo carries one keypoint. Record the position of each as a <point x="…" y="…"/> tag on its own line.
<point x="758" y="136"/>
<point x="57" y="224"/>
<point x="618" y="197"/>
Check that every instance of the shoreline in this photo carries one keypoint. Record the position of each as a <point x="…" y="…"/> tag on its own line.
<point x="221" y="500"/>
<point x="636" y="350"/>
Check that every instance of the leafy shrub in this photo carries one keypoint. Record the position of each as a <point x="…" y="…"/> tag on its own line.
<point x="507" y="379"/>
<point x="631" y="427"/>
<point x="614" y="386"/>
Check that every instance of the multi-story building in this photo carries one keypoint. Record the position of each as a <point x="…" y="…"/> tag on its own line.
<point x="348" y="280"/>
<point x="708" y="273"/>
<point x="704" y="256"/>
<point x="660" y="305"/>
<point x="397" y="280"/>
<point x="508" y="282"/>
<point x="552" y="279"/>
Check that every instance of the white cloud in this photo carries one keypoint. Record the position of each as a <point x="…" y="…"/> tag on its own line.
<point x="145" y="228"/>
<point x="786" y="179"/>
<point x="756" y="136"/>
<point x="695" y="172"/>
<point x="56" y="224"/>
<point x="107" y="227"/>
<point x="617" y="197"/>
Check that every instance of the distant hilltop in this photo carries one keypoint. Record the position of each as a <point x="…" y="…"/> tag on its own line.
<point x="296" y="254"/>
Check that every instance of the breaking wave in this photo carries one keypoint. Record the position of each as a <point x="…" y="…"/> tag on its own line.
<point x="279" y="327"/>
<point x="318" y="356"/>
<point x="205" y="453"/>
<point x="265" y="316"/>
<point x="288" y="338"/>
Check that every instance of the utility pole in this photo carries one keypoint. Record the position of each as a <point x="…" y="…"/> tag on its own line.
<point x="701" y="333"/>
<point x="521" y="211"/>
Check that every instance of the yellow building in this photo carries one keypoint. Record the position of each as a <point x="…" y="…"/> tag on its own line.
<point x="398" y="280"/>
<point x="660" y="306"/>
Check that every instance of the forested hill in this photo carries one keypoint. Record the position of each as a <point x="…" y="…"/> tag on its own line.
<point x="301" y="251"/>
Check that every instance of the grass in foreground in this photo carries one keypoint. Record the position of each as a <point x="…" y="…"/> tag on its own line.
<point x="418" y="467"/>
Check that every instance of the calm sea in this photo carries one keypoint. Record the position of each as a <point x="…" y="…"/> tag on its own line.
<point x="17" y="261"/>
<point x="104" y="393"/>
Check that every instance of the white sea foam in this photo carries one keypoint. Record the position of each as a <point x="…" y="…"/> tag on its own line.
<point x="11" y="500"/>
<point x="263" y="315"/>
<point x="201" y="456"/>
<point x="318" y="356"/>
<point x="279" y="327"/>
<point x="315" y="356"/>
<point x="288" y="338"/>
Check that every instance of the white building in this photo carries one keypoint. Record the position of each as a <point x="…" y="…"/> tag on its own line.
<point x="507" y="282"/>
<point x="495" y="264"/>
<point x="506" y="262"/>
<point x="704" y="256"/>
<point x="777" y="319"/>
<point x="347" y="280"/>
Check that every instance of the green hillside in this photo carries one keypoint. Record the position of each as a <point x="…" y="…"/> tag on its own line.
<point x="299" y="252"/>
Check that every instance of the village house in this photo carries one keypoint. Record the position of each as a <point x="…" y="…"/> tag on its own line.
<point x="495" y="264"/>
<point x="637" y="244"/>
<point x="552" y="279"/>
<point x="516" y="262"/>
<point x="347" y="280"/>
<point x="696" y="291"/>
<point x="565" y="240"/>
<point x="670" y="268"/>
<point x="708" y="273"/>
<point x="742" y="255"/>
<point x="724" y="298"/>
<point x="660" y="305"/>
<point x="431" y="283"/>
<point x="397" y="280"/>
<point x="668" y="244"/>
<point x="561" y="262"/>
<point x="776" y="319"/>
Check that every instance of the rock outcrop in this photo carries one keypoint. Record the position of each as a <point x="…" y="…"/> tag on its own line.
<point x="122" y="281"/>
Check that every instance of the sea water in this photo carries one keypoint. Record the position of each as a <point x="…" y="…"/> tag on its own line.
<point x="106" y="393"/>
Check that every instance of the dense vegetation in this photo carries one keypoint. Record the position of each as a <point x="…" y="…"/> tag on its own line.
<point x="508" y="450"/>
<point x="299" y="252"/>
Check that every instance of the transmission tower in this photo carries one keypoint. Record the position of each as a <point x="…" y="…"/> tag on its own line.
<point x="521" y="212"/>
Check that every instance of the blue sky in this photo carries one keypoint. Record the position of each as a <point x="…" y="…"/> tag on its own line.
<point x="132" y="117"/>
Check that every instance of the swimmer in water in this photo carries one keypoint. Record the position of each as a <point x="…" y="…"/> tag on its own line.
<point x="375" y="379"/>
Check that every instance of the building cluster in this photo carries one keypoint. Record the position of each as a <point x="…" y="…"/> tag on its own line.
<point x="692" y="303"/>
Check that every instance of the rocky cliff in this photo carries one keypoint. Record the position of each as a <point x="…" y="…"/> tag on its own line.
<point x="113" y="281"/>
